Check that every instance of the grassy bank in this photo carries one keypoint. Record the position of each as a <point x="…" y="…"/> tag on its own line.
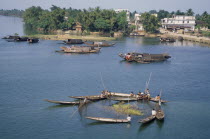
<point x="65" y="37"/>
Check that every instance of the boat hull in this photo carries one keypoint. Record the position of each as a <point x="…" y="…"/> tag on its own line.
<point x="62" y="102"/>
<point x="108" y="120"/>
<point x="147" y="119"/>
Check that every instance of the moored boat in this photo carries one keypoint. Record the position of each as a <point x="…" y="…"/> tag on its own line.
<point x="73" y="41"/>
<point x="144" y="57"/>
<point x="33" y="40"/>
<point x="147" y="119"/>
<point x="63" y="102"/>
<point x="79" y="49"/>
<point x="11" y="37"/>
<point x="99" y="44"/>
<point x="109" y="120"/>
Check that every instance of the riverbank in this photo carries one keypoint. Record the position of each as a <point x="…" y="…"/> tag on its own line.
<point x="199" y="39"/>
<point x="66" y="36"/>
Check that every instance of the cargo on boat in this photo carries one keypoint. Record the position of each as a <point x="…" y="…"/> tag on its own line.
<point x="160" y="114"/>
<point x="99" y="44"/>
<point x="33" y="40"/>
<point x="144" y="57"/>
<point x="74" y="41"/>
<point x="109" y="120"/>
<point x="63" y="102"/>
<point x="79" y="49"/>
<point x="147" y="119"/>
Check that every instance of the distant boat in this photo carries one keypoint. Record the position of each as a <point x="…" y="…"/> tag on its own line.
<point x="99" y="44"/>
<point x="147" y="119"/>
<point x="144" y="57"/>
<point x="79" y="49"/>
<point x="63" y="102"/>
<point x="108" y="120"/>
<point x="167" y="39"/>
<point x="33" y="40"/>
<point x="74" y="41"/>
<point x="11" y="37"/>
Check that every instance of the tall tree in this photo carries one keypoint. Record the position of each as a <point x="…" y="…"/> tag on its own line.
<point x="189" y="12"/>
<point x="150" y="22"/>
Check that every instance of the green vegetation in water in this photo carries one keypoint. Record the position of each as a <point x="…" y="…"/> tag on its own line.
<point x="126" y="109"/>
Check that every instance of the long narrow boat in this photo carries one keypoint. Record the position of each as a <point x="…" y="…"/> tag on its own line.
<point x="160" y="114"/>
<point x="116" y="94"/>
<point x="63" y="102"/>
<point x="83" y="97"/>
<point x="147" y="119"/>
<point x="99" y="44"/>
<point x="124" y="98"/>
<point x="108" y="120"/>
<point x="92" y="98"/>
<point x="155" y="100"/>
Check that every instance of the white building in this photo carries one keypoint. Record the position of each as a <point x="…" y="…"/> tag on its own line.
<point x="138" y="23"/>
<point x="179" y="22"/>
<point x="124" y="10"/>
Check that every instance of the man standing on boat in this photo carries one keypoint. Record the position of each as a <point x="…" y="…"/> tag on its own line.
<point x="154" y="112"/>
<point x="129" y="118"/>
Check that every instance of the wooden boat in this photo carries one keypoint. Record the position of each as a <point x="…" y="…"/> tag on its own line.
<point x="74" y="41"/>
<point x="160" y="114"/>
<point x="92" y="98"/>
<point x="107" y="93"/>
<point x="124" y="98"/>
<point x="109" y="120"/>
<point x="21" y="39"/>
<point x="167" y="39"/>
<point x="147" y="119"/>
<point x="99" y="44"/>
<point x="11" y="37"/>
<point x="144" y="57"/>
<point x="33" y="40"/>
<point x="155" y="100"/>
<point x="63" y="102"/>
<point x="79" y="49"/>
<point x="82" y="97"/>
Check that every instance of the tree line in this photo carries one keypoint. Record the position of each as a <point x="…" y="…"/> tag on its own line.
<point x="13" y="12"/>
<point x="92" y="19"/>
<point x="96" y="19"/>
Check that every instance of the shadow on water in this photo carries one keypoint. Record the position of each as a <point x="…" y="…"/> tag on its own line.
<point x="160" y="123"/>
<point x="59" y="106"/>
<point x="144" y="126"/>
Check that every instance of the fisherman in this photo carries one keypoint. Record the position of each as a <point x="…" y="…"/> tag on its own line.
<point x="148" y="96"/>
<point x="85" y="100"/>
<point x="131" y="94"/>
<point x="129" y="118"/>
<point x="147" y="91"/>
<point x="157" y="97"/>
<point x="154" y="112"/>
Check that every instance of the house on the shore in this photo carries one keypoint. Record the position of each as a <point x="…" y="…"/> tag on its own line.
<point x="179" y="22"/>
<point x="124" y="10"/>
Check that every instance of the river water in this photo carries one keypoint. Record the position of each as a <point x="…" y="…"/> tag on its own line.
<point x="30" y="73"/>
